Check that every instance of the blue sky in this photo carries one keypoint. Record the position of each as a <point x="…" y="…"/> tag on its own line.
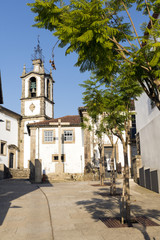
<point x="17" y="41"/>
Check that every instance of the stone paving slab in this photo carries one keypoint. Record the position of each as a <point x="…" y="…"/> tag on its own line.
<point x="25" y="213"/>
<point x="74" y="210"/>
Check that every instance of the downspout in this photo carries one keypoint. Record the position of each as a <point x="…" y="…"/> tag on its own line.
<point x="38" y="142"/>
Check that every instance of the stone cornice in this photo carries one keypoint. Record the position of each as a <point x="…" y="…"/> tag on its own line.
<point x="37" y="73"/>
<point x="38" y="97"/>
<point x="10" y="113"/>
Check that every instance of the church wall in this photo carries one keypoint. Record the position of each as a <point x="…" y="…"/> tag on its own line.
<point x="26" y="147"/>
<point x="45" y="87"/>
<point x="32" y="107"/>
<point x="27" y="143"/>
<point x="49" y="110"/>
<point x="74" y="152"/>
<point x="38" y="86"/>
<point x="26" y="87"/>
<point x="38" y="82"/>
<point x="46" y="151"/>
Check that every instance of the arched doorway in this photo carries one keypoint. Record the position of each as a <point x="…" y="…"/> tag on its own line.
<point x="12" y="156"/>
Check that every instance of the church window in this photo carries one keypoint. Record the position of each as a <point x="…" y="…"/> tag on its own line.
<point x="48" y="89"/>
<point x="68" y="136"/>
<point x="48" y="136"/>
<point x="3" y="146"/>
<point x="32" y="87"/>
<point x="8" y="125"/>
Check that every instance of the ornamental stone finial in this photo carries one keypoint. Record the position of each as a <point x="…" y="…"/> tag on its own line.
<point x="24" y="70"/>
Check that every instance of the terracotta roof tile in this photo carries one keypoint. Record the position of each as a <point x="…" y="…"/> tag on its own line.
<point x="72" y="119"/>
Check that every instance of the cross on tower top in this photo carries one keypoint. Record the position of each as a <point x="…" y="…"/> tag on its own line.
<point x="38" y="51"/>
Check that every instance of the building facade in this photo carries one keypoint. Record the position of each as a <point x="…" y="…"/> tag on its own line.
<point x="148" y="130"/>
<point x="37" y="141"/>
<point x="9" y="138"/>
<point x="58" y="145"/>
<point x="36" y="103"/>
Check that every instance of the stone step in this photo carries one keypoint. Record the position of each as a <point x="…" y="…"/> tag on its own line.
<point x="52" y="177"/>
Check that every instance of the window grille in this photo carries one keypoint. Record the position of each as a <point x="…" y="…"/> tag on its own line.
<point x="68" y="136"/>
<point x="48" y="136"/>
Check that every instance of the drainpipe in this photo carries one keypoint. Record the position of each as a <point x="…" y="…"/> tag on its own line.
<point x="38" y="142"/>
<point x="59" y="140"/>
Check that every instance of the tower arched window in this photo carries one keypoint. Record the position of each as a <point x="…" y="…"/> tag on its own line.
<point x="32" y="87"/>
<point x="48" y="89"/>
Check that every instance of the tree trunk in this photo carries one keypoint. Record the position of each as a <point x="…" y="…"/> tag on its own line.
<point x="101" y="167"/>
<point x="122" y="210"/>
<point x="112" y="175"/>
<point x="126" y="182"/>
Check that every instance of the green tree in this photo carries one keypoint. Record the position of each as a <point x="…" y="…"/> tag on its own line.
<point x="119" y="97"/>
<point x="93" y="98"/>
<point x="115" y="105"/>
<point x="99" y="33"/>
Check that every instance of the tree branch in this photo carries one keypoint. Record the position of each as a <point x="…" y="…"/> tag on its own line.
<point x="131" y="23"/>
<point x="149" y="13"/>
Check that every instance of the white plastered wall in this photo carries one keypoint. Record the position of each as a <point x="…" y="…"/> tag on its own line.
<point x="48" y="107"/>
<point x="27" y="143"/>
<point x="147" y="120"/>
<point x="10" y="137"/>
<point x="38" y="85"/>
<point x="36" y="111"/>
<point x="74" y="153"/>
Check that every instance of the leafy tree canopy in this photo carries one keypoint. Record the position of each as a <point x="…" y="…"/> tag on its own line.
<point x="104" y="40"/>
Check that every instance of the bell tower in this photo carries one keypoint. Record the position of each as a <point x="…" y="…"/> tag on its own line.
<point x="36" y="101"/>
<point x="37" y="90"/>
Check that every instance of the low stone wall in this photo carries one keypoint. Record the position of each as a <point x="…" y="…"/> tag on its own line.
<point x="136" y="165"/>
<point x="2" y="167"/>
<point x="19" y="173"/>
<point x="53" y="177"/>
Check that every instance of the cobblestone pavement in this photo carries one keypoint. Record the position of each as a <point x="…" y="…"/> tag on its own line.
<point x="71" y="211"/>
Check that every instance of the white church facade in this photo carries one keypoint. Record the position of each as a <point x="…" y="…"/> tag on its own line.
<point x="58" y="145"/>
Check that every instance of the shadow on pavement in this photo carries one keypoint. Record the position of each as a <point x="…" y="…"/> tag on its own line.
<point x="11" y="189"/>
<point x="109" y="206"/>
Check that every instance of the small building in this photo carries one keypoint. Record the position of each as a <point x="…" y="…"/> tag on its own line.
<point x="9" y="138"/>
<point x="91" y="150"/>
<point x="58" y="144"/>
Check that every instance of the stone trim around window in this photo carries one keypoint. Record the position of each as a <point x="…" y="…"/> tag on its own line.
<point x="3" y="148"/>
<point x="44" y="137"/>
<point x="8" y="125"/>
<point x="55" y="158"/>
<point x="73" y="135"/>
